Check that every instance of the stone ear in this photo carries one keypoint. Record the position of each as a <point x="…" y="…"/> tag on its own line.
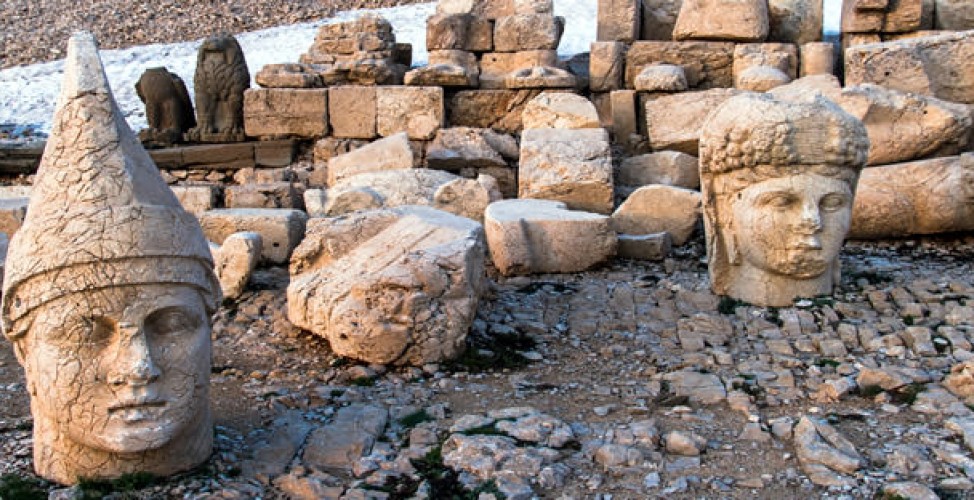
<point x="732" y="246"/>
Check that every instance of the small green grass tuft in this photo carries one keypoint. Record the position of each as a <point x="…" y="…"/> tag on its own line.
<point x="503" y="351"/>
<point x="120" y="487"/>
<point x="728" y="305"/>
<point x="363" y="381"/>
<point x="16" y="487"/>
<point x="415" y="418"/>
<point x="908" y="393"/>
<point x="484" y="430"/>
<point x="823" y="362"/>
<point x="870" y="391"/>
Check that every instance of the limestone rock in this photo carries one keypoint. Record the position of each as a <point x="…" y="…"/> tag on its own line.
<point x="659" y="17"/>
<point x="956" y="15"/>
<point x="280" y="229"/>
<point x="351" y="435"/>
<point x="573" y="166"/>
<point x="762" y="66"/>
<point x="927" y="65"/>
<point x="495" y="66"/>
<point x="654" y="246"/>
<point x="560" y="110"/>
<point x="540" y="236"/>
<point x="822" y="449"/>
<point x="397" y="286"/>
<point x="619" y="20"/>
<point x="921" y="197"/>
<point x="795" y="21"/>
<point x="904" y="126"/>
<point x="196" y="199"/>
<point x="447" y="31"/>
<point x="265" y="195"/>
<point x="528" y="32"/>
<point x="288" y="76"/>
<point x="669" y="168"/>
<point x="699" y="388"/>
<point x="909" y="489"/>
<point x="235" y="260"/>
<point x="540" y="77"/>
<point x="605" y="70"/>
<point x="418" y="111"/>
<point x="661" y="78"/>
<point x="456" y="148"/>
<point x="674" y="122"/>
<point x="761" y="79"/>
<point x="707" y="65"/>
<point x="960" y="381"/>
<point x="735" y="20"/>
<point x="658" y="208"/>
<point x="447" y="68"/>
<point x="390" y="153"/>
<point x="353" y="111"/>
<point x="817" y="58"/>
<point x="808" y="88"/>
<point x="686" y="444"/>
<point x="418" y="186"/>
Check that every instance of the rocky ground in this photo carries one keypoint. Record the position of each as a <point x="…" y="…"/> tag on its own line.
<point x="630" y="381"/>
<point x="33" y="31"/>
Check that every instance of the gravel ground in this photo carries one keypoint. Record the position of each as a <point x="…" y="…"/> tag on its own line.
<point x="33" y="31"/>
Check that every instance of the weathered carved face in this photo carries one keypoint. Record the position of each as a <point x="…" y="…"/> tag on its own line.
<point x="792" y="226"/>
<point x="122" y="369"/>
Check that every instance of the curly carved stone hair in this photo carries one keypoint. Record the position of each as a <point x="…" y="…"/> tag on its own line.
<point x="754" y="131"/>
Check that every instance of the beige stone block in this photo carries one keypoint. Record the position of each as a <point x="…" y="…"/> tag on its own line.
<point x="353" y="111"/>
<point x="668" y="168"/>
<point x="644" y="246"/>
<point x="288" y="76"/>
<point x="619" y="20"/>
<point x="495" y="66"/>
<point x="957" y="15"/>
<point x="265" y="195"/>
<point x="446" y="68"/>
<point x="603" y="107"/>
<point x="196" y="199"/>
<point x="807" y="88"/>
<point x="487" y="9"/>
<point x="314" y="202"/>
<point x="780" y="56"/>
<point x="922" y="197"/>
<point x="658" y="19"/>
<point x="561" y="110"/>
<point x="665" y="78"/>
<point x="734" y="20"/>
<point x="658" y="208"/>
<point x="480" y="36"/>
<point x="674" y="122"/>
<point x="903" y="16"/>
<point x="286" y="112"/>
<point x="12" y="214"/>
<point x="706" y="64"/>
<point x="938" y="66"/>
<point x="817" y="58"/>
<point x="541" y="236"/>
<point x="235" y="260"/>
<point x="274" y="153"/>
<point x="903" y="126"/>
<point x="540" y="77"/>
<point x="528" y="32"/>
<point x="624" y="122"/>
<point x="456" y="148"/>
<point x="795" y="21"/>
<point x="572" y="166"/>
<point x="281" y="229"/>
<point x="231" y="155"/>
<point x="447" y="31"/>
<point x="389" y="153"/>
<point x="397" y="287"/>
<point x="856" y="20"/>
<point x="606" y="64"/>
<point x="496" y="109"/>
<point x="418" y="111"/>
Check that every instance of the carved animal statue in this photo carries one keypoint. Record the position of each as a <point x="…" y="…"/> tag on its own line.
<point x="168" y="109"/>
<point x="220" y="80"/>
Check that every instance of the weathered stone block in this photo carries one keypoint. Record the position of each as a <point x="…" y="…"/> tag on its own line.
<point x="780" y="56"/>
<point x="235" y="260"/>
<point x="390" y="153"/>
<point x="957" y="15"/>
<point x="736" y="20"/>
<point x="266" y="195"/>
<point x="661" y="78"/>
<point x="462" y="147"/>
<point x="497" y="109"/>
<point x="446" y="68"/>
<point x="674" y="122"/>
<point x="528" y="32"/>
<point x="495" y="66"/>
<point x="795" y="21"/>
<point x="619" y="20"/>
<point x="659" y="18"/>
<point x="855" y="20"/>
<point x="353" y="111"/>
<point x="938" y="66"/>
<point x="218" y="156"/>
<point x="572" y="166"/>
<point x="541" y="236"/>
<point x="397" y="286"/>
<point x="706" y="64"/>
<point x="657" y="208"/>
<point x="286" y="112"/>
<point x="817" y="58"/>
<point x="447" y="31"/>
<point x="196" y="199"/>
<point x="606" y="65"/>
<point x="12" y="213"/>
<point x="623" y="107"/>
<point x="645" y="246"/>
<point x="281" y="229"/>
<point x="668" y="168"/>
<point x="560" y="110"/>
<point x="418" y="111"/>
<point x="274" y="153"/>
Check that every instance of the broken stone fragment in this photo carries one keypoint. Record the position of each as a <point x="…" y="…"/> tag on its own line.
<point x="280" y="229"/>
<point x="457" y="148"/>
<point x="659" y="208"/>
<point x="390" y="153"/>
<point x="823" y="451"/>
<point x="706" y="64"/>
<point x="654" y="246"/>
<point x="289" y="76"/>
<point x="235" y="260"/>
<point x="573" y="166"/>
<point x="669" y="168"/>
<point x="661" y="78"/>
<point x="540" y="77"/>
<point x="674" y="122"/>
<point x="541" y="236"/>
<point x="394" y="286"/>
<point x="350" y="435"/>
<point x="560" y="110"/>
<point x="732" y="20"/>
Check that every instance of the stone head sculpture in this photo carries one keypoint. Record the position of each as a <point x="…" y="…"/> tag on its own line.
<point x="778" y="180"/>
<point x="107" y="298"/>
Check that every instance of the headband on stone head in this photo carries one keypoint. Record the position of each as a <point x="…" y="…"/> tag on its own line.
<point x="753" y="131"/>
<point x="100" y="214"/>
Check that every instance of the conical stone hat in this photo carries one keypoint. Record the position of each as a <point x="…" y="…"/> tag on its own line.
<point x="100" y="214"/>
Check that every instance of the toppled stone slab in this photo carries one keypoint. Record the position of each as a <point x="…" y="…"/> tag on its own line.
<point x="541" y="236"/>
<point x="921" y="197"/>
<point x="390" y="153"/>
<point x="658" y="208"/>
<point x="674" y="122"/>
<point x="335" y="446"/>
<point x="572" y="166"/>
<point x="733" y="20"/>
<point x="560" y="110"/>
<point x="904" y="126"/>
<point x="824" y="453"/>
<point x="280" y="229"/>
<point x="669" y="168"/>
<point x="927" y="65"/>
<point x="397" y="286"/>
<point x="499" y="110"/>
<point x="417" y="186"/>
<point x="707" y="65"/>
<point x="235" y="260"/>
<point x="457" y="148"/>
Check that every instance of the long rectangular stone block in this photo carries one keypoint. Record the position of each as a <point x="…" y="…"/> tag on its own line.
<point x="618" y="20"/>
<point x="418" y="111"/>
<point x="706" y="64"/>
<point x="276" y="113"/>
<point x="281" y="229"/>
<point x="353" y="111"/>
<point x="573" y="166"/>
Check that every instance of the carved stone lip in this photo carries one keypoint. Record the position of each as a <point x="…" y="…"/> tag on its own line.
<point x="133" y="404"/>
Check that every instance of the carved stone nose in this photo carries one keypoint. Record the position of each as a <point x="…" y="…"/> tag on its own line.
<point x="133" y="363"/>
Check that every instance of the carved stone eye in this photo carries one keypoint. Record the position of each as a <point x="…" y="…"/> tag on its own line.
<point x="171" y="321"/>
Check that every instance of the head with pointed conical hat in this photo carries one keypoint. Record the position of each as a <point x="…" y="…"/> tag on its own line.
<point x="107" y="295"/>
